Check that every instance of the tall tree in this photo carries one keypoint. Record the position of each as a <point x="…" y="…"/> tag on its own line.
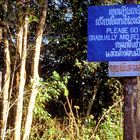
<point x="6" y="73"/>
<point x="35" y="74"/>
<point x="22" y="51"/>
<point x="16" y="31"/>
<point x="131" y="103"/>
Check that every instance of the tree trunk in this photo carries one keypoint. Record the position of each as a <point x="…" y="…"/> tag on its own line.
<point x="0" y="71"/>
<point x="132" y="109"/>
<point x="0" y="80"/>
<point x="132" y="104"/>
<point x="6" y="75"/>
<point x="5" y="89"/>
<point x="92" y="99"/>
<point x="35" y="75"/>
<point x="22" y="48"/>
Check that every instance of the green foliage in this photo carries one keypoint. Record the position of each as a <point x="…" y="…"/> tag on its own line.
<point x="47" y="128"/>
<point x="112" y="127"/>
<point x="49" y="90"/>
<point x="66" y="53"/>
<point x="66" y="73"/>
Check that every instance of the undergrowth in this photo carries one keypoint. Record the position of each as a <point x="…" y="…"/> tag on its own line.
<point x="110" y="128"/>
<point x="109" y="125"/>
